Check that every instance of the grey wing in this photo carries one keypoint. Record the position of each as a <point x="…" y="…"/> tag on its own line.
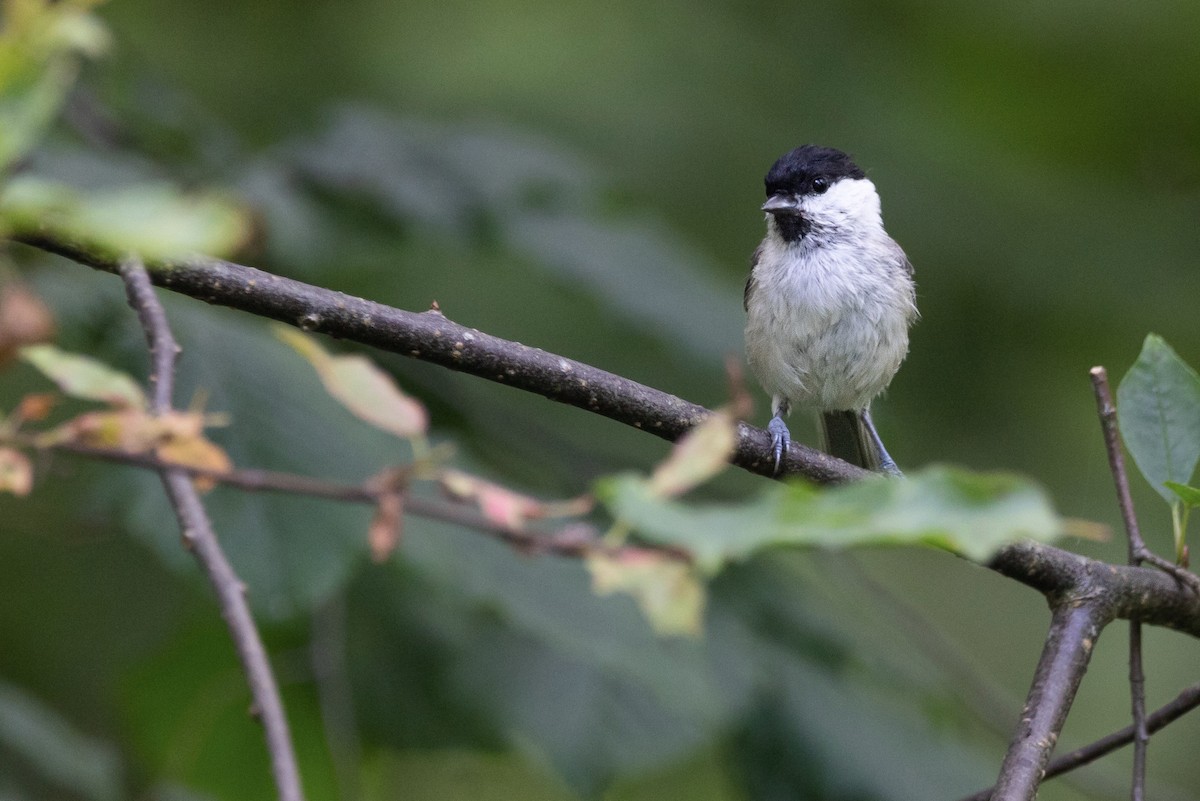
<point x="750" y="282"/>
<point x="900" y="260"/>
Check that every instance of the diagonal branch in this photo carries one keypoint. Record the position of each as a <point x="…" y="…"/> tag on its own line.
<point x="1074" y="629"/>
<point x="201" y="540"/>
<point x="430" y="336"/>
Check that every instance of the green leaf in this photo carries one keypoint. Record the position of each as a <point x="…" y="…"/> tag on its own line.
<point x="28" y="108"/>
<point x="84" y="377"/>
<point x="496" y="637"/>
<point x="1189" y="495"/>
<point x="154" y="220"/>
<point x="1158" y="406"/>
<point x="39" y="49"/>
<point x="972" y="514"/>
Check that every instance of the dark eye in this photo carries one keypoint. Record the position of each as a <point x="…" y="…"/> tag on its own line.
<point x="819" y="185"/>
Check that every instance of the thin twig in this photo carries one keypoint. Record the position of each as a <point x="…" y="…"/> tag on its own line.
<point x="201" y="540"/>
<point x="1180" y="705"/>
<point x="164" y="350"/>
<point x="1137" y="676"/>
<point x="575" y="540"/>
<point x="1116" y="461"/>
<point x="251" y="480"/>
<point x="1166" y="714"/>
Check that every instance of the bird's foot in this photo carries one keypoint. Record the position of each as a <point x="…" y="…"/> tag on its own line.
<point x="888" y="466"/>
<point x="781" y="439"/>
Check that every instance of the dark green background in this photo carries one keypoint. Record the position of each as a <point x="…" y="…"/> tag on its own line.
<point x="1040" y="163"/>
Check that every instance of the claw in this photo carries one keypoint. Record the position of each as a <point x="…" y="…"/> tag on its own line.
<point x="781" y="439"/>
<point x="888" y="466"/>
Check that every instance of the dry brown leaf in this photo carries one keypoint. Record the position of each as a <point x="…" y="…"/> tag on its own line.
<point x="36" y="407"/>
<point x="666" y="589"/>
<point x="362" y="387"/>
<point x="505" y="507"/>
<point x="698" y="456"/>
<point x="130" y="430"/>
<point x="195" y="451"/>
<point x="387" y="526"/>
<point x="24" y="320"/>
<point x="16" y="472"/>
<point x="175" y="437"/>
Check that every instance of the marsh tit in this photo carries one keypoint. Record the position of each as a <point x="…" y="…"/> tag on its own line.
<point x="829" y="301"/>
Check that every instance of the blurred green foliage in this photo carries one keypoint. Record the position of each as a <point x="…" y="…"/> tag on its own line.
<point x="585" y="178"/>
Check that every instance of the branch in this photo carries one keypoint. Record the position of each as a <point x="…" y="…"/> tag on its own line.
<point x="1148" y="594"/>
<point x="430" y="336"/>
<point x="1073" y="633"/>
<point x="200" y="539"/>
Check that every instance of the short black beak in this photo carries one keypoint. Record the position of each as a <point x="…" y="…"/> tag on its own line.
<point x="781" y="203"/>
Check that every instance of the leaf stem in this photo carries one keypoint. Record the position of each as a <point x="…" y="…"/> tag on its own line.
<point x="1179" y="521"/>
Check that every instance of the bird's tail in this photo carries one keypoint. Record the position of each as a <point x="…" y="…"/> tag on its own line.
<point x="844" y="435"/>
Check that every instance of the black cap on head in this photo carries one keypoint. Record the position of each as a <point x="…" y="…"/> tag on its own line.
<point x="803" y="170"/>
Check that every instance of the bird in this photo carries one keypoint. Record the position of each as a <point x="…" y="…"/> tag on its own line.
<point x="829" y="302"/>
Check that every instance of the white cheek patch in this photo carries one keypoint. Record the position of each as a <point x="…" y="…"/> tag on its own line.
<point x="851" y="202"/>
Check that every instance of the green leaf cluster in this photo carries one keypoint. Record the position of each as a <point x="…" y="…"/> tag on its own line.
<point x="968" y="513"/>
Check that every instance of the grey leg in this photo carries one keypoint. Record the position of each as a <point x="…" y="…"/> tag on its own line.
<point x="886" y="463"/>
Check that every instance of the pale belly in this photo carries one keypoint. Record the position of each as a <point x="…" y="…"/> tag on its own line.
<point x="826" y="359"/>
